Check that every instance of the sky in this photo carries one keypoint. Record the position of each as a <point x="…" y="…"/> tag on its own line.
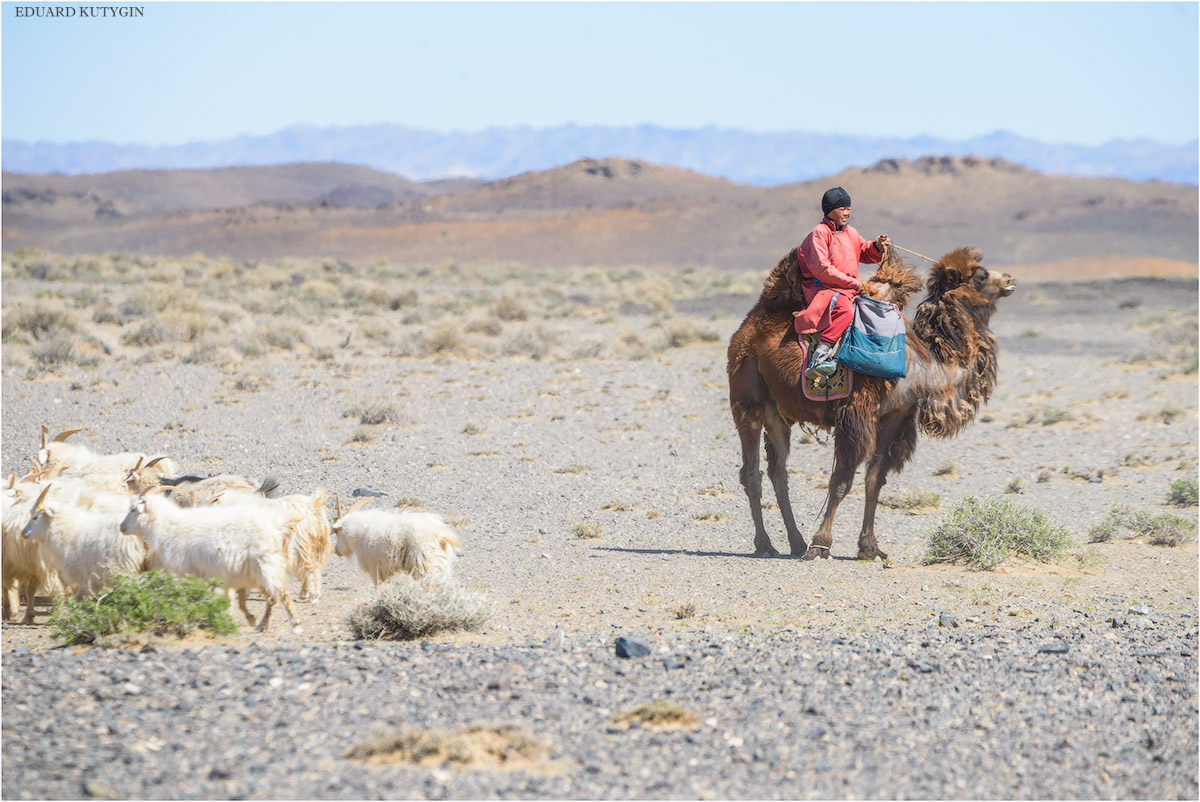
<point x="1079" y="73"/>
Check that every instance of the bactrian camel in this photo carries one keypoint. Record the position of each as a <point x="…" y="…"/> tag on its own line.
<point x="950" y="366"/>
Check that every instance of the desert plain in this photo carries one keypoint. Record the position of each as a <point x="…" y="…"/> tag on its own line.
<point x="571" y="422"/>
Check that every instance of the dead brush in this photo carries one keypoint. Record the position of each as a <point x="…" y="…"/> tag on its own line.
<point x="502" y="747"/>
<point x="404" y="608"/>
<point x="659" y="715"/>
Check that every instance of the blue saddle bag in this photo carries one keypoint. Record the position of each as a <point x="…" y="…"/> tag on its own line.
<point x="874" y="343"/>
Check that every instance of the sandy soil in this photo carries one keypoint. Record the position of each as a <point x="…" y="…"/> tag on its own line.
<point x="515" y="452"/>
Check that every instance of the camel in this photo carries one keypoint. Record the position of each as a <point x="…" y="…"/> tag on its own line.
<point x="951" y="369"/>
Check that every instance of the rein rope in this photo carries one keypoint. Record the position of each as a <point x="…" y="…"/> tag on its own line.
<point x="914" y="253"/>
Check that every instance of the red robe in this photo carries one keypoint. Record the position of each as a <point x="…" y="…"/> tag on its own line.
<point x="829" y="263"/>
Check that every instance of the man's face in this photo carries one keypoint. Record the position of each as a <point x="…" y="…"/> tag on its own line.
<point x="840" y="215"/>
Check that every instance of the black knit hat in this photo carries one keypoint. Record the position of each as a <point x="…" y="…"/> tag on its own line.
<point x="834" y="198"/>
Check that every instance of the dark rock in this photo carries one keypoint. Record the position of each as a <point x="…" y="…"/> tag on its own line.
<point x="947" y="620"/>
<point x="631" y="647"/>
<point x="1058" y="646"/>
<point x="362" y="492"/>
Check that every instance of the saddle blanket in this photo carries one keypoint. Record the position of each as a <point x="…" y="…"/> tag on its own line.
<point x="822" y="388"/>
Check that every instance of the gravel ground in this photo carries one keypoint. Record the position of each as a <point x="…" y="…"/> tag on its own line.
<point x="808" y="680"/>
<point x="1087" y="711"/>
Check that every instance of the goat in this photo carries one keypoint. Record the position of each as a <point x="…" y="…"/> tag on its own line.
<point x="143" y="477"/>
<point x="244" y="546"/>
<point x="309" y="543"/>
<point x="112" y="473"/>
<point x="384" y="543"/>
<point x="194" y="491"/>
<point x="85" y="547"/>
<point x="26" y="569"/>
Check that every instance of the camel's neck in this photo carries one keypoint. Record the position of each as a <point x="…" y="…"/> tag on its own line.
<point x="959" y="372"/>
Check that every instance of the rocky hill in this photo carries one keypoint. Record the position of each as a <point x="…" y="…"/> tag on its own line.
<point x="605" y="212"/>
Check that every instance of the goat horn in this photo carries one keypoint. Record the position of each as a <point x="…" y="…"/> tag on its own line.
<point x="137" y="466"/>
<point x="153" y="462"/>
<point x="12" y="481"/>
<point x="45" y="435"/>
<point x="42" y="498"/>
<point x="338" y="501"/>
<point x="155" y="489"/>
<point x="61" y="437"/>
<point x="358" y="505"/>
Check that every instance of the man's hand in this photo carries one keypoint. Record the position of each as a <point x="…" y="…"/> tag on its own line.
<point x="880" y="241"/>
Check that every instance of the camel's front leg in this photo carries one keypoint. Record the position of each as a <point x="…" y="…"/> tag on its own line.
<point x="853" y="440"/>
<point x="894" y="445"/>
<point x="875" y="479"/>
<point x="839" y="485"/>
<point x="778" y="442"/>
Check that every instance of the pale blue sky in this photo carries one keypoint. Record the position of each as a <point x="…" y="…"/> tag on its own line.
<point x="1082" y="73"/>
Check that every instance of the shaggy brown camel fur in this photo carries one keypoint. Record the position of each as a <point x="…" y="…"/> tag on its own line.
<point x="951" y="370"/>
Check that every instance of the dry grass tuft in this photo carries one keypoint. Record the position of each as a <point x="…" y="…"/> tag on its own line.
<point x="488" y="748"/>
<point x="406" y="609"/>
<point x="659" y="715"/>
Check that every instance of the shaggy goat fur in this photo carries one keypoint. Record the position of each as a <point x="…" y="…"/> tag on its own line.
<point x="85" y="547"/>
<point x="385" y="543"/>
<point x="26" y="569"/>
<point x="310" y="544"/>
<point x="951" y="370"/>
<point x="244" y="546"/>
<point x="196" y="491"/>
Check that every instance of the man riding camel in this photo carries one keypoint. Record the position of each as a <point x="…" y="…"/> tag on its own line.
<point x="829" y="258"/>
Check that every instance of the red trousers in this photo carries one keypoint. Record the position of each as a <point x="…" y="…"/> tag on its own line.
<point x="829" y="313"/>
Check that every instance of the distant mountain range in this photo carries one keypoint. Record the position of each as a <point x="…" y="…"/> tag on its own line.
<point x="761" y="159"/>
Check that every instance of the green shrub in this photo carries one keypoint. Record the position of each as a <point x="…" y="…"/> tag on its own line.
<point x="1160" y="530"/>
<point x="984" y="533"/>
<point x="154" y="602"/>
<point x="1183" y="493"/>
<point x="405" y="609"/>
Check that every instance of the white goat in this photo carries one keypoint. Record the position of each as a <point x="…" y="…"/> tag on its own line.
<point x="309" y="542"/>
<point x="26" y="570"/>
<point x="111" y="471"/>
<point x="195" y="491"/>
<point x="244" y="546"/>
<point x="85" y="547"/>
<point x="384" y="542"/>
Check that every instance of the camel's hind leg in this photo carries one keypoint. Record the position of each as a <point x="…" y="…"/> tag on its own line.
<point x="778" y="442"/>
<point x="853" y="440"/>
<point x="894" y="446"/>
<point x="747" y="398"/>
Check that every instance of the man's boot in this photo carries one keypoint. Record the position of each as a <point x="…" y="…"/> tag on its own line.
<point x="824" y="359"/>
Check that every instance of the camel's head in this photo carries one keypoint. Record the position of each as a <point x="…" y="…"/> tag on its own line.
<point x="961" y="273"/>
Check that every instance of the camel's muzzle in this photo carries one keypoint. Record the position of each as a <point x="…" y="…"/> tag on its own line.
<point x="1010" y="286"/>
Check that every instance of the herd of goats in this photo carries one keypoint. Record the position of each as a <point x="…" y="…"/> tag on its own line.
<point x="79" y="518"/>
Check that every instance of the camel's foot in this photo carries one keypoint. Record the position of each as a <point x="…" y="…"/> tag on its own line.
<point x="815" y="551"/>
<point x="871" y="553"/>
<point x="799" y="549"/>
<point x="766" y="551"/>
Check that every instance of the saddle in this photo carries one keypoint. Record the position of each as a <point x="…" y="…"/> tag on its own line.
<point x="823" y="388"/>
